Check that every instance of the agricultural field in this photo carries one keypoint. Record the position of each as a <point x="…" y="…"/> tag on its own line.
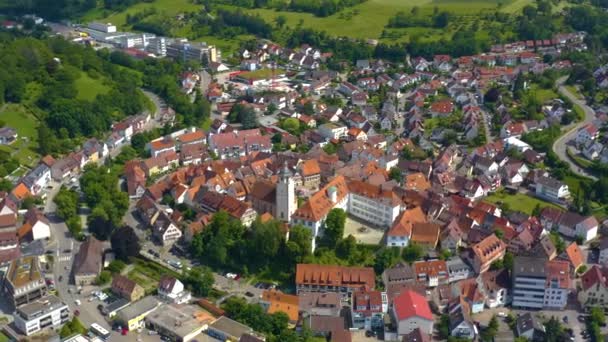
<point x="89" y="88"/>
<point x="21" y="119"/>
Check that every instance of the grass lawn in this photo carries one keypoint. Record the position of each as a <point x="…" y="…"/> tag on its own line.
<point x="3" y="338"/>
<point x="89" y="88"/>
<point x="519" y="202"/>
<point x="544" y="95"/>
<point x="168" y="7"/>
<point x="19" y="118"/>
<point x="574" y="182"/>
<point x="261" y="74"/>
<point x="148" y="273"/>
<point x="366" y="20"/>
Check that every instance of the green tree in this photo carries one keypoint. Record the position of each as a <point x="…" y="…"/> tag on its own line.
<point x="597" y="315"/>
<point x="72" y="327"/>
<point x="334" y="226"/>
<point x="199" y="280"/>
<point x="103" y="278"/>
<point x="125" y="243"/>
<point x="554" y="331"/>
<point x="291" y="125"/>
<point x="395" y="174"/>
<point x="99" y="224"/>
<point x="386" y="257"/>
<point x="280" y="21"/>
<point x="444" y="327"/>
<point x="299" y="245"/>
<point x="413" y="252"/>
<point x="116" y="266"/>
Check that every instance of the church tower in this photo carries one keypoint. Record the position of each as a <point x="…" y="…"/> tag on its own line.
<point x="286" y="195"/>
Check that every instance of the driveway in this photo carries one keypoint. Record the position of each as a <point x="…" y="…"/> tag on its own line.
<point x="560" y="145"/>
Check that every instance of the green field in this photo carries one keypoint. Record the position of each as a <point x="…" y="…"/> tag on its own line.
<point x="147" y="274"/>
<point x="366" y="20"/>
<point x="544" y="95"/>
<point x="168" y="7"/>
<point x="88" y="88"/>
<point x="19" y="118"/>
<point x="518" y="202"/>
<point x="261" y="74"/>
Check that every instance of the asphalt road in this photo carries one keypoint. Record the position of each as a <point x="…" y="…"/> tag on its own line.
<point x="65" y="248"/>
<point x="560" y="145"/>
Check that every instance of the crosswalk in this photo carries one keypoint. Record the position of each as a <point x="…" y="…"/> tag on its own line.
<point x="65" y="257"/>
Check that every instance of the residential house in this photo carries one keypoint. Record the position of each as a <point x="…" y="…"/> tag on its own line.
<point x="8" y="135"/>
<point x="431" y="273"/>
<point x="551" y="189"/>
<point x="425" y="234"/>
<point x="127" y="288"/>
<point x="411" y="311"/>
<point x="594" y="288"/>
<point x="239" y="143"/>
<point x="488" y="251"/>
<point x="35" y="226"/>
<point x="332" y="130"/>
<point x="276" y="301"/>
<point x="368" y="309"/>
<point x="310" y="277"/>
<point x="165" y="230"/>
<point x="496" y="285"/>
<point x="572" y="225"/>
<point x="586" y="134"/>
<point x="530" y="327"/>
<point x="172" y="290"/>
<point x="401" y="230"/>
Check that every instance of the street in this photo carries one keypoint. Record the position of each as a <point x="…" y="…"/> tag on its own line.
<point x="561" y="144"/>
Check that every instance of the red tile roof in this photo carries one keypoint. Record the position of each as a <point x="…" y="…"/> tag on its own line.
<point x="410" y="304"/>
<point x="330" y="275"/>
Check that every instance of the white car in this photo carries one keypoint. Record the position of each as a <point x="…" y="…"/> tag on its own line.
<point x="502" y="314"/>
<point x="77" y="301"/>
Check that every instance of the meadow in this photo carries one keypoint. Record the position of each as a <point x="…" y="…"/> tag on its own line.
<point x="89" y="88"/>
<point x="21" y="119"/>
<point x="363" y="21"/>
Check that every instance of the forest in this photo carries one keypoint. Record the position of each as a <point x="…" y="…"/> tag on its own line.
<point x="42" y="75"/>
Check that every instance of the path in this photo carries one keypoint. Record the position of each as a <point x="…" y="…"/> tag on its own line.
<point x="560" y="145"/>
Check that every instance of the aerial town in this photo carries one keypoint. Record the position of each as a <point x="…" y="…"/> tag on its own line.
<point x="433" y="199"/>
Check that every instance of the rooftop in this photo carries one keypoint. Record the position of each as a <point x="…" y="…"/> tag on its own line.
<point x="146" y="304"/>
<point x="40" y="307"/>
<point x="182" y="320"/>
<point x="24" y="271"/>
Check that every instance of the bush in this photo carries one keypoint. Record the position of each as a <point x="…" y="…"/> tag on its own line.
<point x="103" y="278"/>
<point x="116" y="266"/>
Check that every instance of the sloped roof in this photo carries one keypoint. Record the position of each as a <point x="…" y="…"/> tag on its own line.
<point x="410" y="304"/>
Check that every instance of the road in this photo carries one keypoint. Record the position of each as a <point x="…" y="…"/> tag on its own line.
<point x="66" y="248"/>
<point x="560" y="145"/>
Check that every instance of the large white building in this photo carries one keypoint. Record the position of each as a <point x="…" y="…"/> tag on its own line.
<point x="46" y="312"/>
<point x="540" y="284"/>
<point x="368" y="202"/>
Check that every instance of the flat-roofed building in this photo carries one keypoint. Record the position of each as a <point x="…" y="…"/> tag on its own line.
<point x="179" y="322"/>
<point x="24" y="281"/>
<point x="225" y="329"/>
<point x="133" y="315"/>
<point x="43" y="313"/>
